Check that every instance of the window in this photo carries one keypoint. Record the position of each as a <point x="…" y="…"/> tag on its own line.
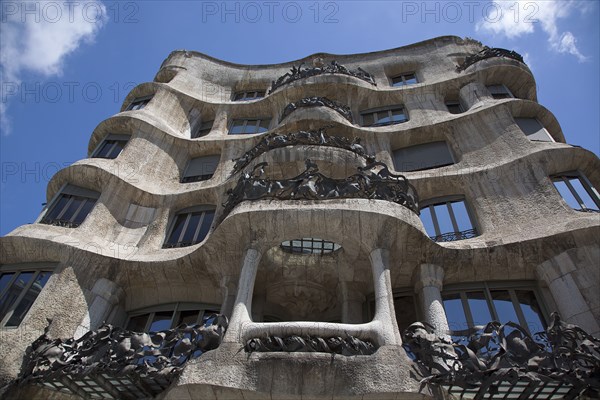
<point x="384" y="116"/>
<point x="473" y="305"/>
<point x="248" y="95"/>
<point x="309" y="246"/>
<point x="203" y="129"/>
<point x="111" y="146"/>
<point x="454" y="107"/>
<point x="139" y="103"/>
<point x="577" y="191"/>
<point x="248" y="126"/>
<point x="534" y="129"/>
<point x="70" y="207"/>
<point x="408" y="78"/>
<point x="422" y="156"/>
<point x="190" y="227"/>
<point x="170" y="316"/>
<point x="447" y="220"/>
<point x="18" y="291"/>
<point x="500" y="92"/>
<point x="200" y="169"/>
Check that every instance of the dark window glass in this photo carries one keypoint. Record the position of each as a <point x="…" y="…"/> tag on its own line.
<point x="138" y="104"/>
<point x="309" y="246"/>
<point x="69" y="210"/>
<point x="138" y="323"/>
<point x="479" y="308"/>
<point x="188" y="317"/>
<point x="248" y="126"/>
<point x="500" y="92"/>
<point x="405" y="79"/>
<point x="203" y="129"/>
<point x="454" y="107"/>
<point x="19" y="294"/>
<point x="405" y="311"/>
<point x="248" y="95"/>
<point x="390" y="116"/>
<point x="531" y="311"/>
<point x="455" y="313"/>
<point x="110" y="149"/>
<point x="190" y="228"/>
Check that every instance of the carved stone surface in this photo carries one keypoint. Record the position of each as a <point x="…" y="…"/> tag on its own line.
<point x="315" y="101"/>
<point x="348" y="346"/>
<point x="374" y="181"/>
<point x="309" y="138"/>
<point x="333" y="68"/>
<point x="505" y="354"/>
<point x="149" y="360"/>
<point x="488" y="52"/>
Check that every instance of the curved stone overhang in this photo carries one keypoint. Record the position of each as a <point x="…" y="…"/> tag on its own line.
<point x="520" y="82"/>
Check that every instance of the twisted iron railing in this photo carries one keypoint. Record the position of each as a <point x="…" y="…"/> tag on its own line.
<point x="373" y="181"/>
<point x="297" y="73"/>
<point x="506" y="358"/>
<point x="112" y="362"/>
<point x="307" y="138"/>
<point x="316" y="101"/>
<point x="346" y="346"/>
<point x="489" y="52"/>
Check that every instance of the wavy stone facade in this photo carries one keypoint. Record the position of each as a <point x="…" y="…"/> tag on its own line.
<point x="336" y="251"/>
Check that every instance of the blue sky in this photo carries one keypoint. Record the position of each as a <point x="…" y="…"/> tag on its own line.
<point x="68" y="66"/>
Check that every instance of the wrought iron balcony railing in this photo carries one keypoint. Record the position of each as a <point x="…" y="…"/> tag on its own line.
<point x="115" y="363"/>
<point x="308" y="138"/>
<point x="486" y="53"/>
<point x="315" y="101"/>
<point x="297" y="73"/>
<point x="373" y="181"/>
<point x="504" y="361"/>
<point x="452" y="236"/>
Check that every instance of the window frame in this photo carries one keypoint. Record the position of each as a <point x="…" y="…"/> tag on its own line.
<point x="176" y="308"/>
<point x="450" y="153"/>
<point x="585" y="183"/>
<point x="257" y="125"/>
<point x="389" y="110"/>
<point x="487" y="287"/>
<point x="448" y="200"/>
<point x="205" y="177"/>
<point x="540" y="124"/>
<point x="400" y="80"/>
<point x="74" y="192"/>
<point x="111" y="137"/>
<point x="508" y="93"/>
<point x="290" y="248"/>
<point x="258" y="94"/>
<point x="18" y="269"/>
<point x="455" y="103"/>
<point x="203" y="129"/>
<point x="139" y="103"/>
<point x="189" y="211"/>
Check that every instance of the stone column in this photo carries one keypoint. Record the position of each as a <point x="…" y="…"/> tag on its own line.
<point x="229" y="293"/>
<point x="105" y="296"/>
<point x="352" y="303"/>
<point x="557" y="273"/>
<point x="242" y="308"/>
<point x="429" y="279"/>
<point x="384" y="300"/>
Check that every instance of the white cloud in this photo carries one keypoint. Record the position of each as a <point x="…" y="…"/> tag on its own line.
<point x="38" y="36"/>
<point x="517" y="18"/>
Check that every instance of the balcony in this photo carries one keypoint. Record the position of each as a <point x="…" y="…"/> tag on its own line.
<point x="114" y="363"/>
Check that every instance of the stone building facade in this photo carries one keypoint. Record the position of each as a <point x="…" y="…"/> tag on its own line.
<point x="336" y="198"/>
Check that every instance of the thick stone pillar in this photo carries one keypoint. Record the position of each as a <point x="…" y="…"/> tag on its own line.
<point x="352" y="303"/>
<point x="242" y="308"/>
<point x="429" y="279"/>
<point x="557" y="273"/>
<point x="105" y="296"/>
<point x="384" y="300"/>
